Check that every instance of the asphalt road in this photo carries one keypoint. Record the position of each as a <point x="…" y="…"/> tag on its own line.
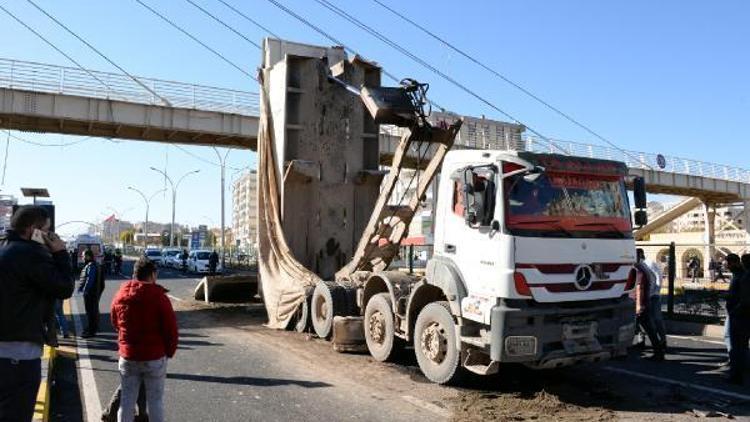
<point x="218" y="374"/>
<point x="230" y="368"/>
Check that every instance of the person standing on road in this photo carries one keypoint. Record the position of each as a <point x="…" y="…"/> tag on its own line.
<point x="34" y="271"/>
<point x="147" y="335"/>
<point x="734" y="265"/>
<point x="654" y="300"/>
<point x="91" y="289"/>
<point x="693" y="266"/>
<point x="213" y="261"/>
<point x="738" y="311"/>
<point x="720" y="272"/>
<point x="645" y="279"/>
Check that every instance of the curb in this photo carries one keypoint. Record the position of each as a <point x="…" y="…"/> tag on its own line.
<point x="694" y="329"/>
<point x="41" y="408"/>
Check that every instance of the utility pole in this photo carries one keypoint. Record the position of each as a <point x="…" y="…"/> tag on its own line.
<point x="148" y="204"/>
<point x="174" y="197"/>
<point x="223" y="162"/>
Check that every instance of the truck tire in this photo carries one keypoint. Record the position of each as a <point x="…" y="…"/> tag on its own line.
<point x="435" y="344"/>
<point x="328" y="300"/>
<point x="300" y="321"/>
<point x="380" y="329"/>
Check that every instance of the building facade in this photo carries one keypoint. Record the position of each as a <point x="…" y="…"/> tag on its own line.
<point x="6" y="211"/>
<point x="245" y="210"/>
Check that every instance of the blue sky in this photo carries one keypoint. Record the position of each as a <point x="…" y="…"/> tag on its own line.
<point x="670" y="77"/>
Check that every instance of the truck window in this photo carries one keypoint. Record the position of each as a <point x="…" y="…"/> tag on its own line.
<point x="474" y="195"/>
<point x="458" y="198"/>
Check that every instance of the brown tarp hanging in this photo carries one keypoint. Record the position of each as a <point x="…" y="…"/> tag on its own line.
<point x="282" y="277"/>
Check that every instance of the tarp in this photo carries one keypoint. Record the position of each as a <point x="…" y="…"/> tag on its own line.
<point x="283" y="279"/>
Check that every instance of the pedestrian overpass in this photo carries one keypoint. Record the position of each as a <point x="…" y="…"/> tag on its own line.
<point x="38" y="97"/>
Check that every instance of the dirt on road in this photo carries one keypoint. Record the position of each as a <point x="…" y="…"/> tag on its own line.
<point x="581" y="393"/>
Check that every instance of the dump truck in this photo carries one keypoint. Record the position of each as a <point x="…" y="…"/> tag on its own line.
<point x="533" y="252"/>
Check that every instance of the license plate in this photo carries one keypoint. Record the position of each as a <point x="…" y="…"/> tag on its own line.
<point x="579" y="330"/>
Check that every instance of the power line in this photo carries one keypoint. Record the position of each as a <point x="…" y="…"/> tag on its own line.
<point x="336" y="41"/>
<point x="501" y="76"/>
<point x="51" y="44"/>
<point x="194" y="38"/>
<point x="102" y="55"/>
<point x="40" y="144"/>
<point x="212" y="16"/>
<point x="251" y="20"/>
<point x="205" y="160"/>
<point x="430" y="67"/>
<point x="5" y="160"/>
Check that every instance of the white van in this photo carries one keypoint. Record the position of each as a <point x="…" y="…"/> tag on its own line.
<point x="86" y="241"/>
<point x="198" y="261"/>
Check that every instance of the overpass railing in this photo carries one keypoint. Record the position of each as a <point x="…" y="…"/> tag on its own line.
<point x="53" y="79"/>
<point x="640" y="160"/>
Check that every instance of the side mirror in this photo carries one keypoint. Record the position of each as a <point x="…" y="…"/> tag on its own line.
<point x="639" y="193"/>
<point x="495" y="225"/>
<point x="641" y="218"/>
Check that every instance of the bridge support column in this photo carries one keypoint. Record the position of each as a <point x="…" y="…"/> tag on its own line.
<point x="709" y="236"/>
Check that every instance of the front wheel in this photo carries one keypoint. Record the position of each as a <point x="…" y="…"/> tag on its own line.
<point x="435" y="344"/>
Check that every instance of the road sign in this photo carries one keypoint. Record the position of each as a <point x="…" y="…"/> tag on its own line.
<point x="661" y="161"/>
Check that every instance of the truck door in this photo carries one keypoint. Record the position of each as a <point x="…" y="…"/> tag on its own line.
<point x="469" y="238"/>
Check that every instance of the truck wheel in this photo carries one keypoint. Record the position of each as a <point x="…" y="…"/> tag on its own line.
<point x="435" y="344"/>
<point x="301" y="318"/>
<point x="380" y="328"/>
<point x="328" y="300"/>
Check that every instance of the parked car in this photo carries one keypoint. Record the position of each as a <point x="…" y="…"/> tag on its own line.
<point x="171" y="258"/>
<point x="198" y="261"/>
<point x="155" y="256"/>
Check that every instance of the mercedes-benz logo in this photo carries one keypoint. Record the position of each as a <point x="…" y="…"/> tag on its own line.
<point x="583" y="277"/>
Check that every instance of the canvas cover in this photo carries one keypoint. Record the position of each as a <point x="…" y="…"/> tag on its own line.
<point x="283" y="279"/>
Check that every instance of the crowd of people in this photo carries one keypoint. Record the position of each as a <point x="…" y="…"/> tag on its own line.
<point x="736" y="324"/>
<point x="35" y="277"/>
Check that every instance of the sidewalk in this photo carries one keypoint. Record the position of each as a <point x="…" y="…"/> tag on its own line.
<point x="41" y="409"/>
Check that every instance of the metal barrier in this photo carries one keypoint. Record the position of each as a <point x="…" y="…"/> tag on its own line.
<point x="39" y="77"/>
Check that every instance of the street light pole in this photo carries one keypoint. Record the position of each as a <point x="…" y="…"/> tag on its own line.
<point x="223" y="162"/>
<point x="174" y="197"/>
<point x="148" y="205"/>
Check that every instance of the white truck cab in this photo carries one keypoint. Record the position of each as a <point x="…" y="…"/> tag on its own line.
<point x="532" y="263"/>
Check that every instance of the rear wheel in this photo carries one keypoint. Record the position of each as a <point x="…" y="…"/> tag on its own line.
<point x="435" y="344"/>
<point x="380" y="328"/>
<point x="328" y="300"/>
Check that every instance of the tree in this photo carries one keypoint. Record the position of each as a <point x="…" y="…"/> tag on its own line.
<point x="127" y="236"/>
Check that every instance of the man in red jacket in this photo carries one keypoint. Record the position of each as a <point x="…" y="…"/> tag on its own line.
<point x="147" y="335"/>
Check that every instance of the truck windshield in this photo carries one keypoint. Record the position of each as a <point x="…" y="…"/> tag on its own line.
<point x="567" y="205"/>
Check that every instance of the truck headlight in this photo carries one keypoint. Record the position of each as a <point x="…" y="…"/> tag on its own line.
<point x="520" y="345"/>
<point x="626" y="333"/>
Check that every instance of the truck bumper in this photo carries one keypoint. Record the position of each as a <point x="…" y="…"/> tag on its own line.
<point x="555" y="335"/>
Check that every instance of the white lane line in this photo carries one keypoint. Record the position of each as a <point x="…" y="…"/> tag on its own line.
<point x="428" y="406"/>
<point x="678" y="383"/>
<point x="697" y="339"/>
<point x="174" y="298"/>
<point x="91" y="400"/>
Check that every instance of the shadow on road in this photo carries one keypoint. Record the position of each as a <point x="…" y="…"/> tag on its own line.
<point x="254" y="381"/>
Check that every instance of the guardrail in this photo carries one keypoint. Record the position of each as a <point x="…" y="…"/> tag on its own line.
<point x="54" y="79"/>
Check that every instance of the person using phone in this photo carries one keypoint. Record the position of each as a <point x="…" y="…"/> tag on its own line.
<point x="33" y="274"/>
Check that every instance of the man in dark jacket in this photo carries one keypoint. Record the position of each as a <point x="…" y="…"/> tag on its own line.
<point x="90" y="286"/>
<point x="213" y="261"/>
<point x="738" y="311"/>
<point x="146" y="335"/>
<point x="33" y="274"/>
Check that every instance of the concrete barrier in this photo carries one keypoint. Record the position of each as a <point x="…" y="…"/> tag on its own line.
<point x="687" y="328"/>
<point x="232" y="288"/>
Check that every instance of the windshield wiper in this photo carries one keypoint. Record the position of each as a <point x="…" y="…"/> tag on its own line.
<point x="615" y="228"/>
<point x="554" y="223"/>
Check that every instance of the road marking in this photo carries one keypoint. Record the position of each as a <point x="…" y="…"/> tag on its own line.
<point x="174" y="298"/>
<point x="92" y="402"/>
<point x="678" y="383"/>
<point x="697" y="339"/>
<point x="428" y="406"/>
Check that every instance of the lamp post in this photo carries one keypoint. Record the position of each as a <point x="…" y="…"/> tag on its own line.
<point x="223" y="162"/>
<point x="174" y="197"/>
<point x="147" y="201"/>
